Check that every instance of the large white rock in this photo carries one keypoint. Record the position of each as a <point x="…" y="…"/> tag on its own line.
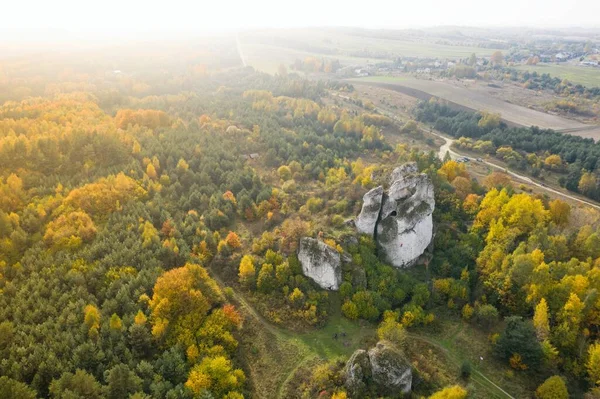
<point x="367" y="219"/>
<point x="401" y="219"/>
<point x="390" y="371"/>
<point x="320" y="262"/>
<point x="405" y="227"/>
<point x="382" y="367"/>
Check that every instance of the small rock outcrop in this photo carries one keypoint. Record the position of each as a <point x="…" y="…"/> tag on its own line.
<point x="369" y="214"/>
<point x="383" y="366"/>
<point x="320" y="262"/>
<point x="404" y="224"/>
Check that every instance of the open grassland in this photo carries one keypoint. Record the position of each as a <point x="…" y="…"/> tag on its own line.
<point x="587" y="76"/>
<point x="475" y="100"/>
<point x="460" y="342"/>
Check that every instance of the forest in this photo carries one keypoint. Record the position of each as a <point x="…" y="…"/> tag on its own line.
<point x="141" y="216"/>
<point x="532" y="149"/>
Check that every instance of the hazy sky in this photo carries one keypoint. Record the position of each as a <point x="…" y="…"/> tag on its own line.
<point x="24" y="19"/>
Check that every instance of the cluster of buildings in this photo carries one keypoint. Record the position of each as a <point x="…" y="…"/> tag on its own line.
<point x="407" y="64"/>
<point x="592" y="63"/>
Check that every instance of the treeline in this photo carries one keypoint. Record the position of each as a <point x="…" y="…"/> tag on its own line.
<point x="522" y="148"/>
<point x="537" y="81"/>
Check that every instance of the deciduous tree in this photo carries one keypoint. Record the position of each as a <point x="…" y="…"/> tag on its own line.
<point x="553" y="388"/>
<point x="541" y="321"/>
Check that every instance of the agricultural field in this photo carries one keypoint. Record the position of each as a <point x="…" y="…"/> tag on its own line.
<point x="267" y="58"/>
<point x="587" y="76"/>
<point x="265" y="52"/>
<point x="458" y="94"/>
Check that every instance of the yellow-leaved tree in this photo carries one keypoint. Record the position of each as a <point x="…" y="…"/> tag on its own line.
<point x="216" y="375"/>
<point x="247" y="272"/>
<point x="553" y="388"/>
<point x="541" y="321"/>
<point x="593" y="364"/>
<point x="181" y="302"/>
<point x="452" y="392"/>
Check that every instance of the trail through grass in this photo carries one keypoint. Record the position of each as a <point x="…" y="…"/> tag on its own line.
<point x="275" y="354"/>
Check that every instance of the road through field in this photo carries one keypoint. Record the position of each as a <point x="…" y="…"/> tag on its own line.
<point x="462" y="97"/>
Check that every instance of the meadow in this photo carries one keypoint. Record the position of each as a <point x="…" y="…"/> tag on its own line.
<point x="587" y="76"/>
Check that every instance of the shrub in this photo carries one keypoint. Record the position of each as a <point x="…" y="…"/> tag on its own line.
<point x="486" y="315"/>
<point x="465" y="370"/>
<point x="553" y="388"/>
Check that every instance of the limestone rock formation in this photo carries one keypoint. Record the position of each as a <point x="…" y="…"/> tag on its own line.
<point x="369" y="214"/>
<point x="320" y="262"/>
<point x="404" y="224"/>
<point x="357" y="372"/>
<point x="383" y="366"/>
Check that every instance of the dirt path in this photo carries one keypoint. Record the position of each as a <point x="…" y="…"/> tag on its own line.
<point x="277" y="332"/>
<point x="242" y="302"/>
<point x="308" y="354"/>
<point x="486" y="384"/>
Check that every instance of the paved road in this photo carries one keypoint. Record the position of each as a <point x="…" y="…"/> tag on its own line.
<point x="447" y="147"/>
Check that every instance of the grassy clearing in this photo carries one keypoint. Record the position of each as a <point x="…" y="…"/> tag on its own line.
<point x="462" y="342"/>
<point x="586" y="76"/>
<point x="324" y="342"/>
<point x="272" y="356"/>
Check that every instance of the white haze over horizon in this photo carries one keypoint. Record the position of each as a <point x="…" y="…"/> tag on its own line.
<point x="42" y="20"/>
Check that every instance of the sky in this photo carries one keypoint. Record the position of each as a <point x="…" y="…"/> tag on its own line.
<point x="24" y="20"/>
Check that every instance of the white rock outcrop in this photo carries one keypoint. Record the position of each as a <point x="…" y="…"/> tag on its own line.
<point x="320" y="262"/>
<point x="369" y="214"/>
<point x="382" y="367"/>
<point x="404" y="225"/>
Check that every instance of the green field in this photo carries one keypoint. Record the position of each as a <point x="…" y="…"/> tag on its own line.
<point x="266" y="54"/>
<point x="587" y="76"/>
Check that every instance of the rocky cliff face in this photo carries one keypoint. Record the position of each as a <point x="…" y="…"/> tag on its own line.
<point x="404" y="224"/>
<point x="383" y="366"/>
<point x="369" y="214"/>
<point x="320" y="262"/>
